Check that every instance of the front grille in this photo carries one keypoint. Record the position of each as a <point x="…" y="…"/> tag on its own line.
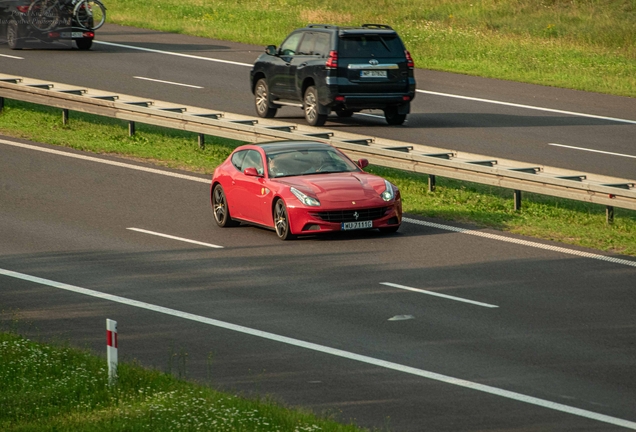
<point x="350" y="215"/>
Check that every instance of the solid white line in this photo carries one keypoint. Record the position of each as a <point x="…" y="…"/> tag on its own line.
<point x="331" y="351"/>
<point x="522" y="242"/>
<point x="592" y="150"/>
<point x="132" y="47"/>
<point x="175" y="238"/>
<point x="168" y="82"/>
<point x="433" y="293"/>
<point x="408" y="220"/>
<point x="578" y="114"/>
<point x="10" y="56"/>
<point x="105" y="161"/>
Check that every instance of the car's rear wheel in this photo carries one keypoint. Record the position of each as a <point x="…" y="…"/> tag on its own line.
<point x="281" y="221"/>
<point x="84" y="44"/>
<point x="312" y="108"/>
<point x="13" y="35"/>
<point x="261" y="100"/>
<point x="393" y="117"/>
<point x="220" y="208"/>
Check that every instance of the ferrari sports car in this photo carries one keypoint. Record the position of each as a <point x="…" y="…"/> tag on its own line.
<point x="302" y="188"/>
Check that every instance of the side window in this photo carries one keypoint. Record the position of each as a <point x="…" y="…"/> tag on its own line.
<point x="253" y="159"/>
<point x="307" y="45"/>
<point x="321" y="47"/>
<point x="289" y="47"/>
<point x="237" y="159"/>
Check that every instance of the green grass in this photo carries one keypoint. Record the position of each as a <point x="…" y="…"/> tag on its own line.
<point x="565" y="221"/>
<point x="48" y="387"/>
<point x="580" y="44"/>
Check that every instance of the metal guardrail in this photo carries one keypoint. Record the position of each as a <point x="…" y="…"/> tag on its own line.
<point x="518" y="176"/>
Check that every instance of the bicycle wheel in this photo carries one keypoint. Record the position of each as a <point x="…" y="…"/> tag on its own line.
<point x="43" y="15"/>
<point x="90" y="14"/>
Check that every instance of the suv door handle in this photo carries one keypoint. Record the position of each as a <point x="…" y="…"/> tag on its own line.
<point x="302" y="65"/>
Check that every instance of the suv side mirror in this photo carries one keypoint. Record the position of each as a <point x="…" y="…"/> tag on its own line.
<point x="270" y="50"/>
<point x="363" y="163"/>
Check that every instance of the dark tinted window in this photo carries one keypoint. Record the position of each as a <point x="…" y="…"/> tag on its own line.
<point x="370" y="46"/>
<point x="314" y="44"/>
<point x="253" y="159"/>
<point x="237" y="159"/>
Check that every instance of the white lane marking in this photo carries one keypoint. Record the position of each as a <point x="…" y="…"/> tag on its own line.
<point x="12" y="57"/>
<point x="592" y="150"/>
<point x="168" y="82"/>
<point x="419" y="91"/>
<point x="328" y="350"/>
<point x="175" y="238"/>
<point x="573" y="113"/>
<point x="132" y="47"/>
<point x="106" y="162"/>
<point x="408" y="220"/>
<point x="433" y="293"/>
<point x="522" y="242"/>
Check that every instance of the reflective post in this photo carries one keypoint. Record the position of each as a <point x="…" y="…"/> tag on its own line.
<point x="111" y="350"/>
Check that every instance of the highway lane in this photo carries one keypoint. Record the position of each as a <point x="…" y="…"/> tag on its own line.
<point x="562" y="331"/>
<point x="475" y="125"/>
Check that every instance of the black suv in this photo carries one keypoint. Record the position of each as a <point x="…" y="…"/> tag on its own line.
<point x="323" y="68"/>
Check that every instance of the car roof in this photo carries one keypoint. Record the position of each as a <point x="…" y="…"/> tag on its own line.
<point x="276" y="146"/>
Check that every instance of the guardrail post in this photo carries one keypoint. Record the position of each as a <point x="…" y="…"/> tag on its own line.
<point x="111" y="350"/>
<point x="201" y="141"/>
<point x="131" y="128"/>
<point x="609" y="211"/>
<point x="1" y="104"/>
<point x="517" y="200"/>
<point x="65" y="117"/>
<point x="431" y="183"/>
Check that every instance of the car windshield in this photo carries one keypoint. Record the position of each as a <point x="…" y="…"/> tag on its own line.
<point x="306" y="162"/>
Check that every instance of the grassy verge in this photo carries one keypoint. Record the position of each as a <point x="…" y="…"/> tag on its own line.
<point x="581" y="44"/>
<point x="58" y="388"/>
<point x="543" y="217"/>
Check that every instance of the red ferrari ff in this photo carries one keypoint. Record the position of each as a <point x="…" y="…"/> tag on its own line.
<point x="302" y="188"/>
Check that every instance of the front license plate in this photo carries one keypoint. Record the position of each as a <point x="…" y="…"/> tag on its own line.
<point x="346" y="226"/>
<point x="71" y="35"/>
<point x="372" y="74"/>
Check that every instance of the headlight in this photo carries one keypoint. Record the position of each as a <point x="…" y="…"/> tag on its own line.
<point x="388" y="193"/>
<point x="307" y="200"/>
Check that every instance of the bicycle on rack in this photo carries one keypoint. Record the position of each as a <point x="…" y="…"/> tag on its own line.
<point x="45" y="15"/>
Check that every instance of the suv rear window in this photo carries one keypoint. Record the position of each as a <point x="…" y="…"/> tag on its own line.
<point x="370" y="46"/>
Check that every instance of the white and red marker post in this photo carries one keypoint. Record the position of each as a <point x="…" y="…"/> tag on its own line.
<point x="111" y="350"/>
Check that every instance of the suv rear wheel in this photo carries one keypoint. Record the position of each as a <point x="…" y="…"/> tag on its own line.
<point x="393" y="117"/>
<point x="13" y="35"/>
<point x="312" y="108"/>
<point x="261" y="100"/>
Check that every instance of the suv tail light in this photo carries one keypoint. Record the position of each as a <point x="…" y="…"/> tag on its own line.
<point x="332" y="60"/>
<point x="23" y="9"/>
<point x="409" y="60"/>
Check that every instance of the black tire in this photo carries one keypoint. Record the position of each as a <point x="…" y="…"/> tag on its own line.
<point x="311" y="107"/>
<point x="393" y="117"/>
<point x="84" y="44"/>
<point x="389" y="230"/>
<point x="281" y="221"/>
<point x="220" y="208"/>
<point x="344" y="113"/>
<point x="13" y="35"/>
<point x="262" y="101"/>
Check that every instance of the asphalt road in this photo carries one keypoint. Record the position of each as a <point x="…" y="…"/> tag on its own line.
<point x="496" y="118"/>
<point x="531" y="336"/>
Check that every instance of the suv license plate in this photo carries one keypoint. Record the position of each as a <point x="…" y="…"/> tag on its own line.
<point x="372" y="74"/>
<point x="346" y="226"/>
<point x="71" y="35"/>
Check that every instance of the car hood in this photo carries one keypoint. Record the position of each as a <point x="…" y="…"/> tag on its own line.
<point x="339" y="187"/>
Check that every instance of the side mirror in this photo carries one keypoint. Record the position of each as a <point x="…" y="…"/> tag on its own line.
<point x="251" y="171"/>
<point x="270" y="50"/>
<point x="363" y="163"/>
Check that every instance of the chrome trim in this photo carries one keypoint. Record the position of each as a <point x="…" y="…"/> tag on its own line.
<point x="369" y="66"/>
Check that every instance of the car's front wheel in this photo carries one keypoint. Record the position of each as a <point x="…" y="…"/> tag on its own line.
<point x="312" y="108"/>
<point x="393" y="117"/>
<point x="389" y="230"/>
<point x="261" y="100"/>
<point x="220" y="208"/>
<point x="281" y="221"/>
<point x="13" y="35"/>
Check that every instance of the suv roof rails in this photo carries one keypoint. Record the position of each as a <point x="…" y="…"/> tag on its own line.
<point x="321" y="26"/>
<point x="378" y="26"/>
